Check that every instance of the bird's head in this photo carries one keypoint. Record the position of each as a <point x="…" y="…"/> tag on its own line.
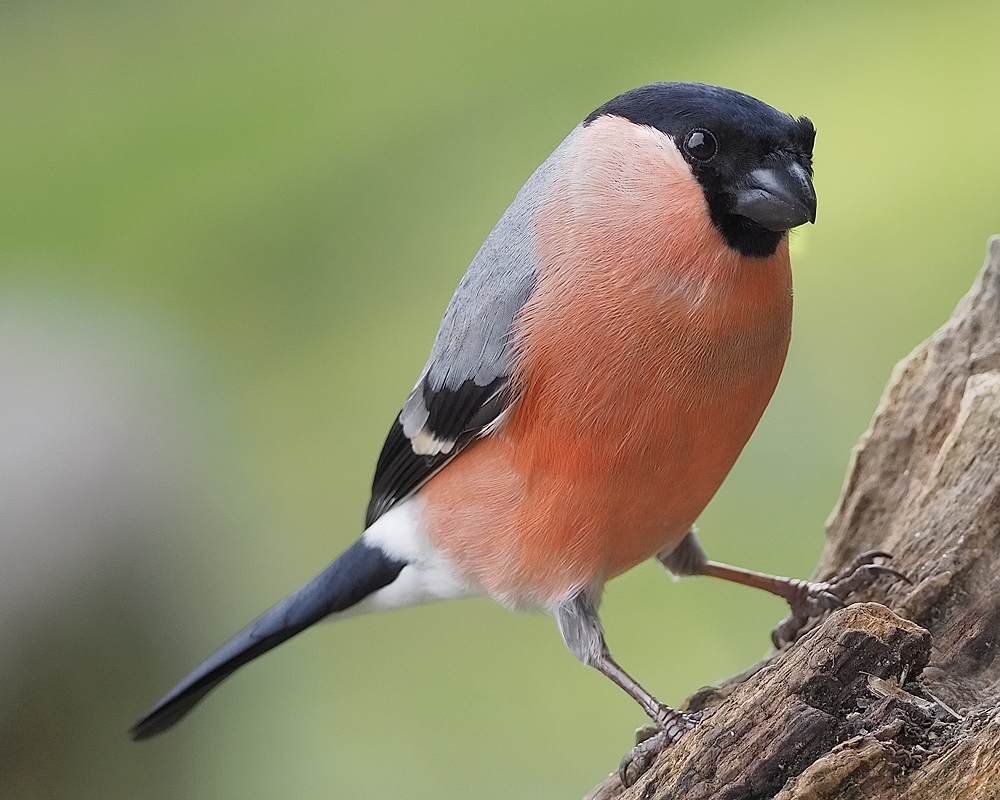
<point x="753" y="162"/>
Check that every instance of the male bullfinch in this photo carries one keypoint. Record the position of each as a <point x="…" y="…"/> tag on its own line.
<point x="601" y="365"/>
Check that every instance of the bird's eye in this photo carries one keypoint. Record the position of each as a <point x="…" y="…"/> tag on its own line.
<point x="701" y="145"/>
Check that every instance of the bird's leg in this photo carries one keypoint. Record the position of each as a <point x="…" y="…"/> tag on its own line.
<point x="807" y="599"/>
<point x="583" y="634"/>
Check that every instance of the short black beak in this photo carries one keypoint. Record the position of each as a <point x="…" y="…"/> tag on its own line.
<point x="778" y="198"/>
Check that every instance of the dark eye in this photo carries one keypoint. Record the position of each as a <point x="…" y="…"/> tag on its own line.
<point x="701" y="145"/>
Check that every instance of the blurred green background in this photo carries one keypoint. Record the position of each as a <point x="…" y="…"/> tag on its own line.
<point x="227" y="233"/>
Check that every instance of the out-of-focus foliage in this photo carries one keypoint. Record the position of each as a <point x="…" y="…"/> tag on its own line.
<point x="227" y="233"/>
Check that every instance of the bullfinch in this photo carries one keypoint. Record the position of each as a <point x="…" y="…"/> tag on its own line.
<point x="597" y="372"/>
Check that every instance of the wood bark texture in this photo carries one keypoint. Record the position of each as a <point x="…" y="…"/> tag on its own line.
<point x="897" y="696"/>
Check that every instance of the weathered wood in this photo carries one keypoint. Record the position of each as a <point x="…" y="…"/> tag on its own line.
<point x="900" y="700"/>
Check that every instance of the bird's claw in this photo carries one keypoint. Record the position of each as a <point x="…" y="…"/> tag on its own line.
<point x="808" y="600"/>
<point x="641" y="757"/>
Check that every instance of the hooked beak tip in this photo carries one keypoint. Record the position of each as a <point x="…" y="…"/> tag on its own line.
<point x="778" y="198"/>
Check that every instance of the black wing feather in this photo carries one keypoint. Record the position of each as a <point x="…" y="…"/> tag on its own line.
<point x="459" y="415"/>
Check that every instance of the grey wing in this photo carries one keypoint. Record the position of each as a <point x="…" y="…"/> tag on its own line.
<point x="465" y="387"/>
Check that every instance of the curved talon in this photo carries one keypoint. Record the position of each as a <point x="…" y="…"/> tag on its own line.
<point x="810" y="599"/>
<point x="895" y="573"/>
<point x="786" y="631"/>
<point x="829" y="600"/>
<point x="641" y="757"/>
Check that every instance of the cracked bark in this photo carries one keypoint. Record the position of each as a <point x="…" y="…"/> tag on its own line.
<point x="900" y="700"/>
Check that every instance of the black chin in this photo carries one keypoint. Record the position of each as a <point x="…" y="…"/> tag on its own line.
<point x="747" y="237"/>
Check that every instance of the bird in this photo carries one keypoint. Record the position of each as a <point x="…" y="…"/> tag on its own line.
<point x="601" y="365"/>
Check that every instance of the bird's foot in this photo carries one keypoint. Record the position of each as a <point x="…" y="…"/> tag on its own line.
<point x="809" y="599"/>
<point x="670" y="726"/>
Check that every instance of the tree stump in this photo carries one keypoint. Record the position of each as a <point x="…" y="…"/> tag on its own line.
<point x="899" y="696"/>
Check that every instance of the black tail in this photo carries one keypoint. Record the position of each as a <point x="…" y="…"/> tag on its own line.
<point x="359" y="571"/>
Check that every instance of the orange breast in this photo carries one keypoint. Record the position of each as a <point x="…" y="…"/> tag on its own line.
<point x="647" y="354"/>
